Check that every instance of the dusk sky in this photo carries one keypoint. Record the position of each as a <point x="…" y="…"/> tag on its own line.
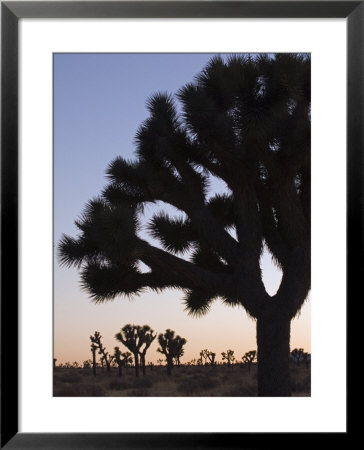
<point x="99" y="103"/>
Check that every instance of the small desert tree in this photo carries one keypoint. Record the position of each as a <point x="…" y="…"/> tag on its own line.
<point x="204" y="354"/>
<point x="132" y="337"/>
<point x="96" y="339"/>
<point x="87" y="364"/>
<point x="249" y="357"/>
<point x="228" y="356"/>
<point x="211" y="357"/>
<point x="171" y="347"/>
<point x="127" y="359"/>
<point x="93" y="351"/>
<point x="146" y="336"/>
<point x="118" y="359"/>
<point x="179" y="344"/>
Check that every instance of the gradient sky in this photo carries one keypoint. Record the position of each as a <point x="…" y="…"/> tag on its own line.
<point x="99" y="102"/>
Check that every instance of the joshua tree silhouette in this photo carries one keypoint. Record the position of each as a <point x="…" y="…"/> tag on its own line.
<point x="127" y="359"/>
<point x="249" y="357"/>
<point x="134" y="337"/>
<point x="87" y="364"/>
<point x="171" y="346"/>
<point x="118" y="360"/>
<point x="204" y="355"/>
<point x="147" y="337"/>
<point x="208" y="356"/>
<point x="96" y="339"/>
<point x="93" y="351"/>
<point x="211" y="357"/>
<point x="246" y="121"/>
<point x="228" y="356"/>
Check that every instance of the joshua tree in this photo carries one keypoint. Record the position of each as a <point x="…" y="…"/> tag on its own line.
<point x="130" y="336"/>
<point x="179" y="343"/>
<point x="245" y="121"/>
<point x="171" y="346"/>
<point x="228" y="356"/>
<point x="127" y="359"/>
<point x="298" y="355"/>
<point x="118" y="360"/>
<point x="204" y="354"/>
<point x="249" y="357"/>
<point x="87" y="364"/>
<point x="211" y="357"/>
<point x="54" y="362"/>
<point x="146" y="337"/>
<point x="96" y="339"/>
<point x="93" y="351"/>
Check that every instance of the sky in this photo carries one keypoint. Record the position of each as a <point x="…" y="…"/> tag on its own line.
<point x="99" y="103"/>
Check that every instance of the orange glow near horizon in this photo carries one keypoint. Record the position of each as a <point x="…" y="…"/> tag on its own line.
<point x="76" y="318"/>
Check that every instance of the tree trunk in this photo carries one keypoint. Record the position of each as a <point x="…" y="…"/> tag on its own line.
<point x="94" y="363"/>
<point x="273" y="340"/>
<point x="120" y="370"/>
<point x="169" y="366"/>
<point x="142" y="360"/>
<point x="136" y="365"/>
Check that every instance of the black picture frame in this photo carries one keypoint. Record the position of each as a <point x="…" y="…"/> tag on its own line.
<point x="11" y="12"/>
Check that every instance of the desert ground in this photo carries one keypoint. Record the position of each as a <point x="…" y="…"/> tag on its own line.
<point x="185" y="381"/>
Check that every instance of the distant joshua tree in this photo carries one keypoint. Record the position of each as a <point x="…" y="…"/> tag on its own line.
<point x="96" y="339"/>
<point x="159" y="361"/>
<point x="204" y="355"/>
<point x="146" y="337"/>
<point x="249" y="357"/>
<point x="211" y="357"/>
<point x="127" y="359"/>
<point x="297" y="355"/>
<point x="132" y="337"/>
<point x="87" y="364"/>
<point x="171" y="347"/>
<point x="118" y="360"/>
<point x="93" y="351"/>
<point x="228" y="356"/>
<point x="54" y="362"/>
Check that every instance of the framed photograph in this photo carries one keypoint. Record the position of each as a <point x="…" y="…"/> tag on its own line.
<point x="181" y="221"/>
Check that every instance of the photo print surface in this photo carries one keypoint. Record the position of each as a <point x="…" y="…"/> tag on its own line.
<point x="182" y="228"/>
